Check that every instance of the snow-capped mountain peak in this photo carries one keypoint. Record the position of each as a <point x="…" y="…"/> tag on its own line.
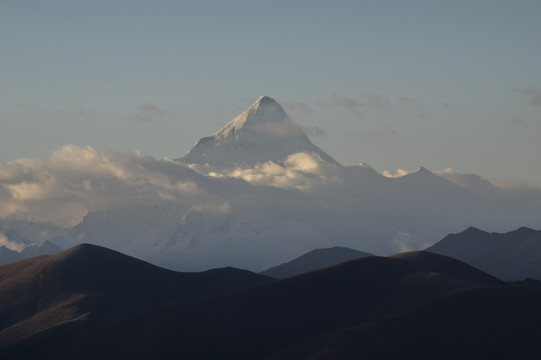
<point x="263" y="132"/>
<point x="264" y="117"/>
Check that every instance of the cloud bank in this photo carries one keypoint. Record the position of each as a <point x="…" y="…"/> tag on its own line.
<point x="302" y="171"/>
<point x="75" y="180"/>
<point x="193" y="217"/>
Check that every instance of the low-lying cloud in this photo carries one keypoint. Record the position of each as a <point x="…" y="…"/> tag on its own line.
<point x="396" y="174"/>
<point x="75" y="180"/>
<point x="301" y="171"/>
<point x="12" y="245"/>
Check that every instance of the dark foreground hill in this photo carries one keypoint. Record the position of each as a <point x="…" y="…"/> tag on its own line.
<point x="92" y="282"/>
<point x="313" y="260"/>
<point x="419" y="303"/>
<point x="514" y="255"/>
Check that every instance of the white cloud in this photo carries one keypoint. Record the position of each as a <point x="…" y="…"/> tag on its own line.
<point x="242" y="213"/>
<point x="75" y="180"/>
<point x="302" y="171"/>
<point x="403" y="241"/>
<point x="4" y="241"/>
<point x="396" y="174"/>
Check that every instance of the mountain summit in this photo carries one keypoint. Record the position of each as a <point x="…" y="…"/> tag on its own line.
<point x="263" y="132"/>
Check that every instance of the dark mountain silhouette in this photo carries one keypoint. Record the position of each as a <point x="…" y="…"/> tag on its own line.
<point x="44" y="248"/>
<point x="313" y="260"/>
<point x="513" y="255"/>
<point x="7" y="255"/>
<point x="92" y="282"/>
<point x="27" y="248"/>
<point x="413" y="303"/>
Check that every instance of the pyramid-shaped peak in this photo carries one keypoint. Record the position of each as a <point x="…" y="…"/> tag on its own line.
<point x="264" y="109"/>
<point x="265" y="117"/>
<point x="263" y="100"/>
<point x="263" y="132"/>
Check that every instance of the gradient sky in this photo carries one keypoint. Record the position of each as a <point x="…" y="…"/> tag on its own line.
<point x="396" y="84"/>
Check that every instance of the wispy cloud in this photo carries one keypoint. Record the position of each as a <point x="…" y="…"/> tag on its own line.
<point x="516" y="121"/>
<point x="149" y="112"/>
<point x="346" y="102"/>
<point x="378" y="101"/>
<point x="297" y="107"/>
<point x="403" y="241"/>
<point x="59" y="114"/>
<point x="407" y="99"/>
<point x="397" y="173"/>
<point x="534" y="94"/>
<point x="447" y="106"/>
<point x="313" y="130"/>
<point x="385" y="133"/>
<point x="4" y="241"/>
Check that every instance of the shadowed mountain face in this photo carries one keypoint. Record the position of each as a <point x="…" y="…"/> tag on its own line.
<point x="510" y="256"/>
<point x="91" y="282"/>
<point x="364" y="306"/>
<point x="313" y="260"/>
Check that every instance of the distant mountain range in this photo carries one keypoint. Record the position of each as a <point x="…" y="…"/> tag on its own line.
<point x="314" y="260"/>
<point x="258" y="191"/>
<point x="26" y="249"/>
<point x="514" y="255"/>
<point x="90" y="302"/>
<point x="511" y="256"/>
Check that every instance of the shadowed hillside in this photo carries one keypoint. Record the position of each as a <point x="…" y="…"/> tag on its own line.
<point x="313" y="260"/>
<point x="88" y="282"/>
<point x="378" y="295"/>
<point x="514" y="255"/>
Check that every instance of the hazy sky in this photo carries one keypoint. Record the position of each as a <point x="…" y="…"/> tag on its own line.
<point x="396" y="84"/>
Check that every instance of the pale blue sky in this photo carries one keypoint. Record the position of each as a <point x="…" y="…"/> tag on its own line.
<point x="396" y="84"/>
